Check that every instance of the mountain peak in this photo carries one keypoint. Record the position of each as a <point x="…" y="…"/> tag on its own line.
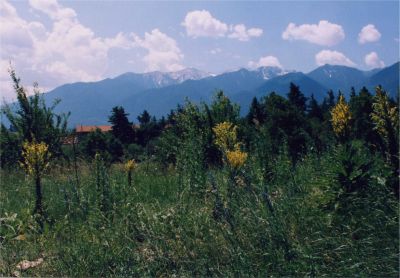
<point x="188" y="73"/>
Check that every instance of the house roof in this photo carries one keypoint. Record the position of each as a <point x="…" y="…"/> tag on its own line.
<point x="91" y="128"/>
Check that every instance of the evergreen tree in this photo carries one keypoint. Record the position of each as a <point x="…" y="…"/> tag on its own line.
<point x="361" y="109"/>
<point x="121" y="127"/>
<point x="144" y="118"/>
<point x="314" y="110"/>
<point x="255" y="114"/>
<point x="148" y="129"/>
<point x="223" y="110"/>
<point x="285" y="123"/>
<point x="327" y="104"/>
<point x="297" y="98"/>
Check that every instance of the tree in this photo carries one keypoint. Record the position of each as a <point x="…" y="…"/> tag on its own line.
<point x="223" y="110"/>
<point x="94" y="142"/>
<point x="33" y="120"/>
<point x="285" y="122"/>
<point x="255" y="114"/>
<point x="314" y="110"/>
<point x="121" y="127"/>
<point x="329" y="102"/>
<point x="10" y="150"/>
<point x="144" y="118"/>
<point x="148" y="129"/>
<point x="297" y="98"/>
<point x="361" y="109"/>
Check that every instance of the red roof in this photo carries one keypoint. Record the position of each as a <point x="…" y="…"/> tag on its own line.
<point x="91" y="128"/>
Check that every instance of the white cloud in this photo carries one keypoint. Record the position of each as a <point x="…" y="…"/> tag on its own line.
<point x="333" y="58"/>
<point x="266" y="61"/>
<point x="163" y="52"/>
<point x="368" y="34"/>
<point x="372" y="60"/>
<point x="67" y="51"/>
<point x="325" y="33"/>
<point x="203" y="24"/>
<point x="240" y="32"/>
<point x="54" y="10"/>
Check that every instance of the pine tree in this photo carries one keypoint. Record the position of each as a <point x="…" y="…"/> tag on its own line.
<point x="121" y="127"/>
<point x="297" y="98"/>
<point x="144" y="118"/>
<point x="255" y="114"/>
<point x="314" y="110"/>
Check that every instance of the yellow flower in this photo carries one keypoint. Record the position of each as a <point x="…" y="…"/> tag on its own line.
<point x="341" y="117"/>
<point x="36" y="157"/>
<point x="130" y="165"/>
<point x="384" y="114"/>
<point x="236" y="158"/>
<point x="225" y="136"/>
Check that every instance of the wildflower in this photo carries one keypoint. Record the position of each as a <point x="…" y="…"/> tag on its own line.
<point x="236" y="158"/>
<point x="36" y="158"/>
<point x="385" y="116"/>
<point x="225" y="135"/>
<point x="341" y="117"/>
<point x="130" y="165"/>
<point x="35" y="161"/>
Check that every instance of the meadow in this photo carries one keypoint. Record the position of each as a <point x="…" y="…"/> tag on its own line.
<point x="154" y="228"/>
<point x="289" y="190"/>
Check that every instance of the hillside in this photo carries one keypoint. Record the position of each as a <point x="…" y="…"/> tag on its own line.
<point x="157" y="92"/>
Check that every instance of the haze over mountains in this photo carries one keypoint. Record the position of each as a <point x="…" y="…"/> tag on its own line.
<point x="90" y="103"/>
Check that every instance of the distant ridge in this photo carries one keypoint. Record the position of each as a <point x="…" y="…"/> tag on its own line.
<point x="90" y="103"/>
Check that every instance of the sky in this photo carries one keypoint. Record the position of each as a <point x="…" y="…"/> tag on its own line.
<point x="56" y="42"/>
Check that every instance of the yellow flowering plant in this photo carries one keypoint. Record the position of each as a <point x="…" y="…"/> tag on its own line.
<point x="35" y="161"/>
<point x="129" y="166"/>
<point x="341" y="117"/>
<point x="36" y="158"/>
<point x="226" y="140"/>
<point x="236" y="158"/>
<point x="225" y="135"/>
<point x="384" y="115"/>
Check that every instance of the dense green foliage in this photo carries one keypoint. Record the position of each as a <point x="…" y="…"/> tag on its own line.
<point x="289" y="198"/>
<point x="32" y="120"/>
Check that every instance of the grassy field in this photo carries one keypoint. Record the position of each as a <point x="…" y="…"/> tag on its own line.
<point x="293" y="224"/>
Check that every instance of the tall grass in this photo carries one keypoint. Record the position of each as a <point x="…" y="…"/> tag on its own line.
<point x="289" y="224"/>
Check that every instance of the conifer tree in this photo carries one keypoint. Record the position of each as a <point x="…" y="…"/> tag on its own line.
<point x="121" y="127"/>
<point x="297" y="98"/>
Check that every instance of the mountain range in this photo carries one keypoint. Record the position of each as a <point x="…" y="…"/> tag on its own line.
<point x="90" y="103"/>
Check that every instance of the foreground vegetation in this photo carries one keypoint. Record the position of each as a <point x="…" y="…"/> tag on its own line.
<point x="296" y="188"/>
<point x="153" y="228"/>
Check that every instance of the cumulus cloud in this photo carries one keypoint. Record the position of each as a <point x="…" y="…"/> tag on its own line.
<point x="67" y="51"/>
<point x="203" y="24"/>
<point x="372" y="60"/>
<point x="266" y="61"/>
<point x="368" y="34"/>
<point x="333" y="58"/>
<point x="163" y="52"/>
<point x="242" y="34"/>
<point x="54" y="10"/>
<point x="323" y="33"/>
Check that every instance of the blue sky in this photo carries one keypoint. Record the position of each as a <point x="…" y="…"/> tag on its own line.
<point x="67" y="41"/>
